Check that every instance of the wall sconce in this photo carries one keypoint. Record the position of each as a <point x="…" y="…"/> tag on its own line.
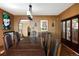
<point x="35" y="24"/>
<point x="53" y="24"/>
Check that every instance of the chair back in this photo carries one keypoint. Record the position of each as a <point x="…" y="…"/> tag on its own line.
<point x="7" y="41"/>
<point x="17" y="37"/>
<point x="11" y="33"/>
<point x="49" y="43"/>
<point x="33" y="37"/>
<point x="55" y="45"/>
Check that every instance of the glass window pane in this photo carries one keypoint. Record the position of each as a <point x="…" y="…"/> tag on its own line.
<point x="64" y="30"/>
<point x="75" y="30"/>
<point x="68" y="30"/>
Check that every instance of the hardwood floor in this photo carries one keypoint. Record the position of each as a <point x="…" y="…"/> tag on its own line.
<point x="66" y="51"/>
<point x="1" y="50"/>
<point x="26" y="47"/>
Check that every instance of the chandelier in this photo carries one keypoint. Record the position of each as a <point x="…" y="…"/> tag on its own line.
<point x="29" y="12"/>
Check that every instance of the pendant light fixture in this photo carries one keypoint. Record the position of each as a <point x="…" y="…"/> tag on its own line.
<point x="29" y="12"/>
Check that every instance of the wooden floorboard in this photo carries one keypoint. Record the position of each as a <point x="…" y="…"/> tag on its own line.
<point x="26" y="48"/>
<point x="66" y="51"/>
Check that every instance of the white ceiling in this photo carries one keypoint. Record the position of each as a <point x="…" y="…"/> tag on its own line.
<point x="37" y="8"/>
<point x="39" y="1"/>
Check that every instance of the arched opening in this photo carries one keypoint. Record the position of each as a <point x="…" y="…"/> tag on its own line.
<point x="24" y="28"/>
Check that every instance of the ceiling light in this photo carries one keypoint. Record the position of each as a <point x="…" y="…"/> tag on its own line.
<point x="29" y="12"/>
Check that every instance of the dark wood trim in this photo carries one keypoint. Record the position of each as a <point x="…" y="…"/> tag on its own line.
<point x="71" y="30"/>
<point x="76" y="16"/>
<point x="8" y="32"/>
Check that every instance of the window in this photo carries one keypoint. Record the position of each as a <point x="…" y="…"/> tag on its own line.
<point x="75" y="30"/>
<point x="64" y="29"/>
<point x="68" y="30"/>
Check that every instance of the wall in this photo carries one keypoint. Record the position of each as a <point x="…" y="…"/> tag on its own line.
<point x="1" y="30"/>
<point x="58" y="28"/>
<point x="70" y="12"/>
<point x="37" y="19"/>
<point x="1" y="33"/>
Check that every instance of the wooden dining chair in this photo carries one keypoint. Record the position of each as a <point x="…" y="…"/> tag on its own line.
<point x="17" y="37"/>
<point x="7" y="41"/>
<point x="11" y="33"/>
<point x="49" y="43"/>
<point x="55" y="48"/>
<point x="33" y="37"/>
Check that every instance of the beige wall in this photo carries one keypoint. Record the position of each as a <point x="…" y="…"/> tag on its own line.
<point x="37" y="19"/>
<point x="58" y="28"/>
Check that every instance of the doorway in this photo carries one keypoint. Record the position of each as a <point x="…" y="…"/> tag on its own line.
<point x="24" y="28"/>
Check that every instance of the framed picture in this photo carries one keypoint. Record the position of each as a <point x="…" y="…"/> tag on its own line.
<point x="44" y="25"/>
<point x="6" y="21"/>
